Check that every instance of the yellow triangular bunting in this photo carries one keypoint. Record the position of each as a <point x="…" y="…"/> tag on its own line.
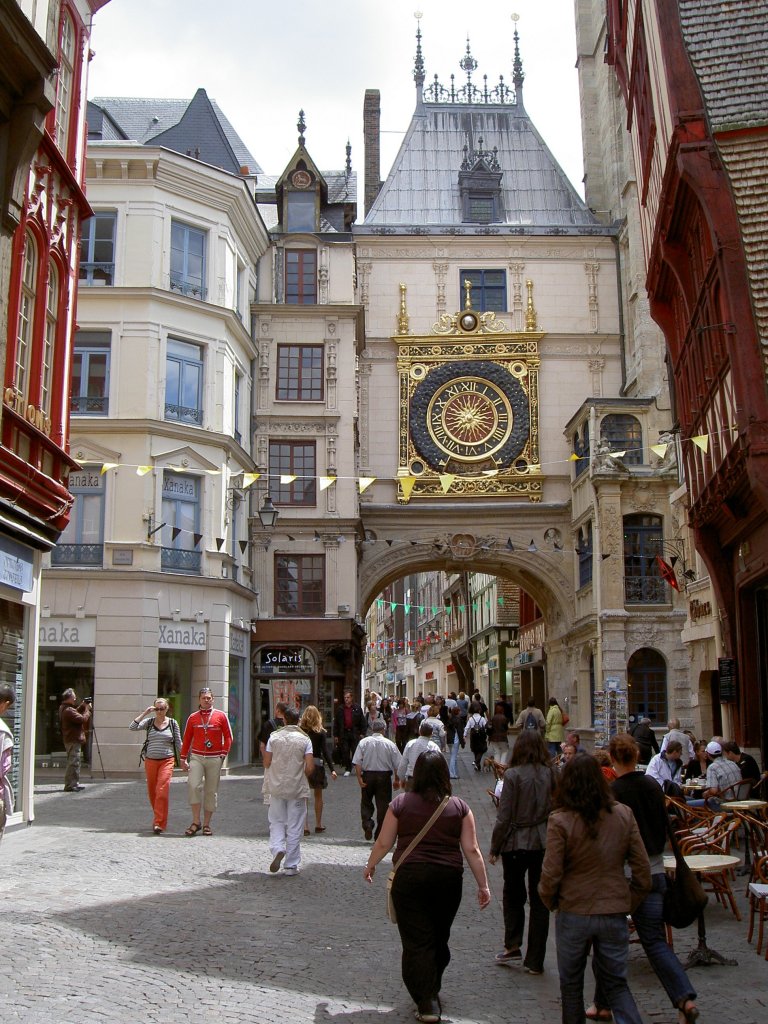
<point x="659" y="449"/>
<point x="364" y="482"/>
<point x="326" y="481"/>
<point x="249" y="478"/>
<point x="446" y="479"/>
<point x="287" y="478"/>
<point x="143" y="470"/>
<point x="701" y="441"/>
<point x="407" y="482"/>
<point x="109" y="465"/>
<point x="534" y="467"/>
<point x="573" y="457"/>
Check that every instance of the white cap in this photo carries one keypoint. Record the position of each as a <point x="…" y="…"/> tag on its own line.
<point x="714" y="749"/>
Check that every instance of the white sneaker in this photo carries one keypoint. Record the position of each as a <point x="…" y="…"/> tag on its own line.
<point x="290" y="871"/>
<point x="346" y="774"/>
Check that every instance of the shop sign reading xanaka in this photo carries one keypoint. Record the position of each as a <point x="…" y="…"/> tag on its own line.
<point x="182" y="636"/>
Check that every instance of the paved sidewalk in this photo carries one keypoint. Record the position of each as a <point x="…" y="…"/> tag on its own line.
<point x="102" y="921"/>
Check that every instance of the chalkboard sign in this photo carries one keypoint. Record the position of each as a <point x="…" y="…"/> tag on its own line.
<point x="726" y="668"/>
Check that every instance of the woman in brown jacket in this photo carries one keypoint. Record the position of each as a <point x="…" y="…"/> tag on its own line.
<point x="590" y="837"/>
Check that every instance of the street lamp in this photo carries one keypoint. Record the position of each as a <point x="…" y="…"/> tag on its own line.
<point x="268" y="513"/>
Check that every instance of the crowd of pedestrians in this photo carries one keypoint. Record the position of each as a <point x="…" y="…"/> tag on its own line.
<point x="578" y="834"/>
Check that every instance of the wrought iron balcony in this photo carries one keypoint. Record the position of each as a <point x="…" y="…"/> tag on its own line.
<point x="179" y="560"/>
<point x="77" y="554"/>
<point x="645" y="590"/>
<point x="183" y="413"/>
<point x="89" y="405"/>
<point x="193" y="289"/>
<point x="97" y="273"/>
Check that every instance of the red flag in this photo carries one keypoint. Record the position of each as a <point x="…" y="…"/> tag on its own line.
<point x="667" y="572"/>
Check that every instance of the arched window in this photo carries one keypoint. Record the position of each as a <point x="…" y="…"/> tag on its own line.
<point x="63" y="116"/>
<point x="625" y="435"/>
<point x="49" y="342"/>
<point x="647" y="685"/>
<point x="26" y="317"/>
<point x="643" y="541"/>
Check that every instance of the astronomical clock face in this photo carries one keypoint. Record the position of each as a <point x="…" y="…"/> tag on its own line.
<point x="468" y="413"/>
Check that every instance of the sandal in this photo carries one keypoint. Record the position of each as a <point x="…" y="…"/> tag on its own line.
<point x="319" y="828"/>
<point x="592" y="1013"/>
<point x="193" y="829"/>
<point x="207" y="831"/>
<point x="306" y="831"/>
<point x="688" y="1011"/>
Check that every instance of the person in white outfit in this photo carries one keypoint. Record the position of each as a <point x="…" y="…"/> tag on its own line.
<point x="289" y="758"/>
<point x="412" y="750"/>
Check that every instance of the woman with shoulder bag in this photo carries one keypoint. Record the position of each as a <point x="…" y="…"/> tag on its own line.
<point x="433" y="864"/>
<point x="312" y="724"/>
<point x="160" y="754"/>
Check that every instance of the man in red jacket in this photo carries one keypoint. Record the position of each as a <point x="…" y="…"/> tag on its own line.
<point x="206" y="743"/>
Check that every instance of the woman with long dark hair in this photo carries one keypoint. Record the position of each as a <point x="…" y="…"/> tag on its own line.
<point x="435" y="865"/>
<point x="590" y="838"/>
<point x="519" y="838"/>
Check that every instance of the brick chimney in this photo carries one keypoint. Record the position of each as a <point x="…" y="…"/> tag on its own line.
<point x="371" y="146"/>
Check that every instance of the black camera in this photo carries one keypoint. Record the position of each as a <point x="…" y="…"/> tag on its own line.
<point x="208" y="744"/>
<point x="87" y="700"/>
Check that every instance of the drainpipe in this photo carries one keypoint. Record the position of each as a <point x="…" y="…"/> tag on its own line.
<point x="597" y="547"/>
<point x="620" y="296"/>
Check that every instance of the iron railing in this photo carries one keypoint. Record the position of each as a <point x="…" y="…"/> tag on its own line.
<point x="645" y="590"/>
<point x="77" y="554"/>
<point x="179" y="560"/>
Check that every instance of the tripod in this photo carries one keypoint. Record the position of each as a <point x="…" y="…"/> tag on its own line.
<point x="93" y="738"/>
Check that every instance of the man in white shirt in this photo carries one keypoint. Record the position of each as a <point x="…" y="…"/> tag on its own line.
<point x="676" y="733"/>
<point x="411" y="752"/>
<point x="375" y="761"/>
<point x="289" y="758"/>
<point x="666" y="767"/>
<point x="722" y="774"/>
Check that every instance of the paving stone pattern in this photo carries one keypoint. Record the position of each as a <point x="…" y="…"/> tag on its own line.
<point x="103" y="921"/>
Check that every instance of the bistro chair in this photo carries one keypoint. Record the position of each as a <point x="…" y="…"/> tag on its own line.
<point x="716" y="842"/>
<point x="758" y="903"/>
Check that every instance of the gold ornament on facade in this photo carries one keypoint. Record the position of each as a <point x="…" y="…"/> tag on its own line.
<point x="403" y="322"/>
<point x="531" y="320"/>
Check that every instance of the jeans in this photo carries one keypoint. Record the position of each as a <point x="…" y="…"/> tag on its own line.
<point x="649" y="923"/>
<point x="608" y="935"/>
<point x="453" y="767"/>
<point x="378" y="787"/>
<point x="425" y="926"/>
<point x="518" y="863"/>
<point x="554" y="750"/>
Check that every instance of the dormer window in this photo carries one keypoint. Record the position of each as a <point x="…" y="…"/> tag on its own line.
<point x="480" y="186"/>
<point x="301" y="201"/>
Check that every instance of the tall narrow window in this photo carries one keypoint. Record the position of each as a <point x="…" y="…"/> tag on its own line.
<point x="237" y="410"/>
<point x="300" y="277"/>
<point x="66" y="78"/>
<point x="581" y="449"/>
<point x="49" y="342"/>
<point x="97" y="249"/>
<point x="184" y="382"/>
<point x="647" y="689"/>
<point x="489" y="289"/>
<point x="585" y="554"/>
<point x="89" y="394"/>
<point x="187" y="260"/>
<point x="643" y="541"/>
<point x="25" y="322"/>
<point x="625" y="435"/>
<point x="300" y="373"/>
<point x="292" y="459"/>
<point x="181" y="523"/>
<point x="82" y="541"/>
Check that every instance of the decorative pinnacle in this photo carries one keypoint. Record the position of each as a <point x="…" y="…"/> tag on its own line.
<point x="517" y="65"/>
<point x="468" y="63"/>
<point x="349" y="158"/>
<point x="301" y="126"/>
<point x="468" y="294"/>
<point x="418" y="64"/>
<point x="531" y="320"/>
<point x="402" y="317"/>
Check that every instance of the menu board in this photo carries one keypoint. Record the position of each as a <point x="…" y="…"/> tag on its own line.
<point x="729" y="682"/>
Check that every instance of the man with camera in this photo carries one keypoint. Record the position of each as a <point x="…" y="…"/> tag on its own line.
<point x="73" y="719"/>
<point x="206" y="743"/>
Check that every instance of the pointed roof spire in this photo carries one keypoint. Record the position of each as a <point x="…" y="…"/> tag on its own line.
<point x="301" y="127"/>
<point x="517" y="66"/>
<point x="418" y="64"/>
<point x="348" y="164"/>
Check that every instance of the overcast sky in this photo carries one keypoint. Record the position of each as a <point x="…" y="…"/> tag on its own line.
<point x="263" y="62"/>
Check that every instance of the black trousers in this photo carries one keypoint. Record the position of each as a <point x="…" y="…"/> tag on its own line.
<point x="378" y="790"/>
<point x="425" y="925"/>
<point x="517" y="864"/>
<point x="347" y="746"/>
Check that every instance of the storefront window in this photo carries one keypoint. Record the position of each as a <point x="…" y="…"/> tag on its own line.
<point x="174" y="682"/>
<point x="12" y="674"/>
<point x="236" y="708"/>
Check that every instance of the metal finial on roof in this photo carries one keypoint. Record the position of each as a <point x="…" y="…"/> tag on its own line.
<point x="418" y="64"/>
<point x="349" y="158"/>
<point x="468" y="64"/>
<point x="301" y="126"/>
<point x="517" y="65"/>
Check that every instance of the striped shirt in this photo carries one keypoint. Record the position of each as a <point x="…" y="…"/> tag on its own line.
<point x="161" y="741"/>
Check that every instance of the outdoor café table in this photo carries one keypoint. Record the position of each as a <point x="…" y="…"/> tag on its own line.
<point x="703" y="864"/>
<point x="756" y="806"/>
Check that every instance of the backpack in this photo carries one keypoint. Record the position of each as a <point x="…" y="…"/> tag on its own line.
<point x="477" y="728"/>
<point x="530" y="721"/>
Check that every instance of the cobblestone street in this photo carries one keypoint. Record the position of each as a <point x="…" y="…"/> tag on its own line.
<point x="104" y="921"/>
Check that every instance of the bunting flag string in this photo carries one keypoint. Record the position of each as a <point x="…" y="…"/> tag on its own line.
<point x="408" y="482"/>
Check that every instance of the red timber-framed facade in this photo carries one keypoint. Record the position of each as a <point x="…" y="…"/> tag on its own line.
<point x="41" y="285"/>
<point x="698" y="139"/>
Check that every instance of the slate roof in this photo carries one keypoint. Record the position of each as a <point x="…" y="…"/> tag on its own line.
<point x="422" y="189"/>
<point x="196" y="126"/>
<point x="727" y="43"/>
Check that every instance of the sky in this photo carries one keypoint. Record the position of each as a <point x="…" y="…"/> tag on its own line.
<point x="263" y="62"/>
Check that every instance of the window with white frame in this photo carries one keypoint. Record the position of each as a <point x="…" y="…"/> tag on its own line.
<point x="82" y="540"/>
<point x="89" y="394"/>
<point x="187" y="260"/>
<point x="49" y="340"/>
<point x="97" y="249"/>
<point x="181" y="523"/>
<point x="65" y="83"/>
<point x="184" y="382"/>
<point x="26" y="318"/>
